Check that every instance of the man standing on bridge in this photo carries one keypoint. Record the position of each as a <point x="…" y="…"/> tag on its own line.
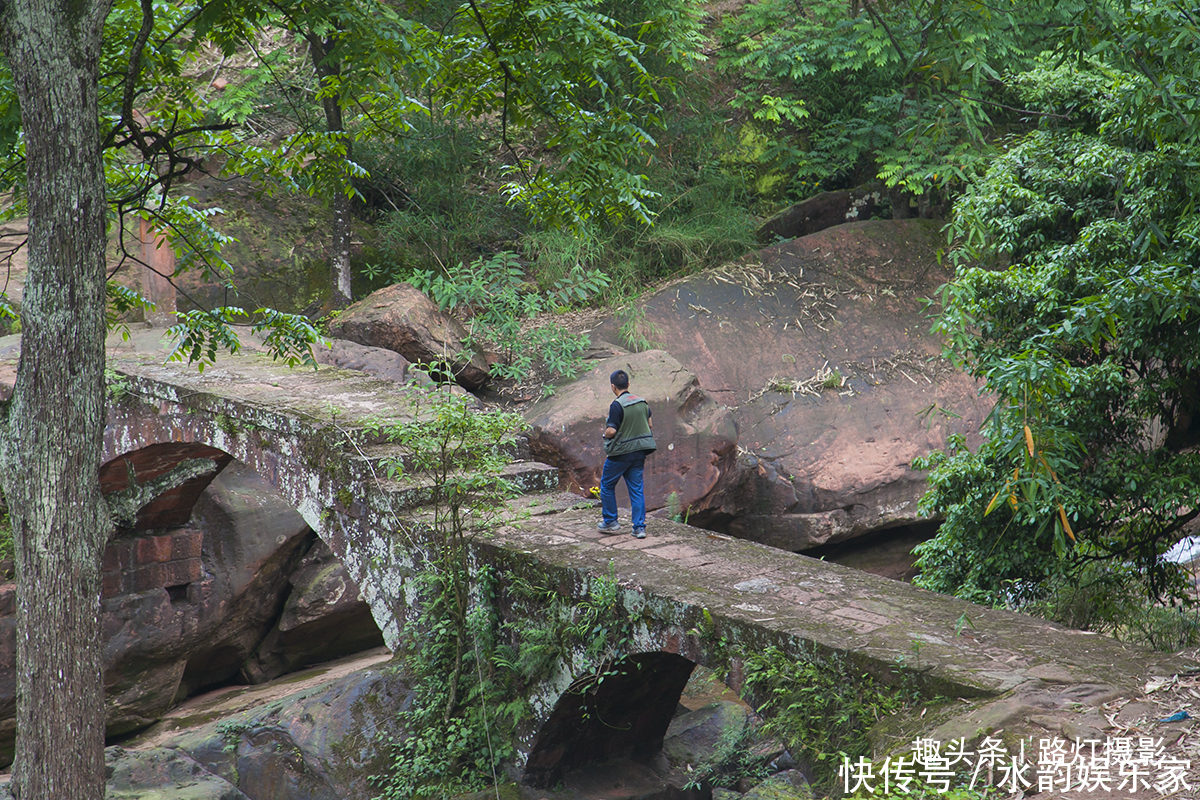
<point x="627" y="441"/>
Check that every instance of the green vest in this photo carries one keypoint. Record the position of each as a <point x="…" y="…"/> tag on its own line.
<point x="634" y="433"/>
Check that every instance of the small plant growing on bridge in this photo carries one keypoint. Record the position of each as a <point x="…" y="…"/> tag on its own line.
<point x="459" y="454"/>
<point x="471" y="666"/>
<point x="819" y="707"/>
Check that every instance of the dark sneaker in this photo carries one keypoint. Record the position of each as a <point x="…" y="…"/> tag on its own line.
<point x="639" y="533"/>
<point x="608" y="527"/>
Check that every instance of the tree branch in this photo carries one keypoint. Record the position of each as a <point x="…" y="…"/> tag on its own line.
<point x="124" y="505"/>
<point x="131" y="76"/>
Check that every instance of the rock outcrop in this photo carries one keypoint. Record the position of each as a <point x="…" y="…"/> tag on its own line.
<point x="323" y="618"/>
<point x="696" y="436"/>
<point x="243" y="592"/>
<point x="401" y="319"/>
<point x="323" y="744"/>
<point x="823" y="211"/>
<point x="822" y="347"/>
<point x="162" y="773"/>
<point x="377" y="361"/>
<point x="695" y="737"/>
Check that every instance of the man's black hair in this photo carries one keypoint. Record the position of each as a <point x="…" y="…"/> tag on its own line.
<point x="619" y="379"/>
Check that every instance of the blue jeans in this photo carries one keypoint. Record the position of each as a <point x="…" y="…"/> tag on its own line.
<point x="633" y="472"/>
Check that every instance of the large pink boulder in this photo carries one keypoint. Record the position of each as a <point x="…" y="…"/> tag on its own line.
<point x="696" y="436"/>
<point x="400" y="318"/>
<point x="822" y="347"/>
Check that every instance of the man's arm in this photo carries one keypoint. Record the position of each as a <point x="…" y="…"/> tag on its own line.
<point x="616" y="415"/>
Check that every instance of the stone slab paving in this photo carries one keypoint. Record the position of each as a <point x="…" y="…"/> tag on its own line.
<point x="327" y="394"/>
<point x="965" y="649"/>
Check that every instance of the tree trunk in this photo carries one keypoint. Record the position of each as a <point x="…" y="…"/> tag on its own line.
<point x="329" y="69"/>
<point x="51" y="445"/>
<point x="340" y="259"/>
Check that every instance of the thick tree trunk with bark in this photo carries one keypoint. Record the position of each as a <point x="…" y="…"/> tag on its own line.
<point x="51" y="443"/>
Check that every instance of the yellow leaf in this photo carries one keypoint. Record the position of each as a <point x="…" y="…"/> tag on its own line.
<point x="1062" y="515"/>
<point x="1012" y="501"/>
<point x="1029" y="440"/>
<point x="992" y="505"/>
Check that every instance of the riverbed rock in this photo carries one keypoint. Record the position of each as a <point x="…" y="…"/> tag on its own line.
<point x="789" y="785"/>
<point x="695" y="737"/>
<point x="324" y="617"/>
<point x="822" y="346"/>
<point x="402" y="319"/>
<point x="321" y="744"/>
<point x="162" y="774"/>
<point x="696" y="436"/>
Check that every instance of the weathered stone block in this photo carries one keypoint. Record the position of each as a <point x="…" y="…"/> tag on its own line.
<point x="117" y="555"/>
<point x="152" y="549"/>
<point x="160" y="576"/>
<point x="186" y="544"/>
<point x="112" y="584"/>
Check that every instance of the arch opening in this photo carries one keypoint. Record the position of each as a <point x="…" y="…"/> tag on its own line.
<point x="219" y="582"/>
<point x="173" y="508"/>
<point x="622" y="712"/>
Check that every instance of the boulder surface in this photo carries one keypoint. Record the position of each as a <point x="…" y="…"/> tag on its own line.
<point x="323" y="618"/>
<point x="319" y="744"/>
<point x="821" y="345"/>
<point x="400" y="318"/>
<point x="696" y="436"/>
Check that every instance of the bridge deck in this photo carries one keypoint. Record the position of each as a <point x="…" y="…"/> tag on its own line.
<point x="349" y="399"/>
<point x="755" y="590"/>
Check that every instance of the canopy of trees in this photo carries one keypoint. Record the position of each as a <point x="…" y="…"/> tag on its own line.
<point x="1084" y="321"/>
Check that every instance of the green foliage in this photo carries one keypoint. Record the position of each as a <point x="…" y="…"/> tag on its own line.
<point x="201" y="335"/>
<point x="231" y="732"/>
<point x="636" y="331"/>
<point x="1088" y="337"/>
<point x="440" y="184"/>
<point x="471" y="665"/>
<point x="435" y="194"/>
<point x="701" y="215"/>
<point x="819" y="707"/>
<point x="733" y="760"/>
<point x="10" y="318"/>
<point x="459" y="453"/>
<point x="1110" y="599"/>
<point x="503" y="304"/>
<point x="907" y="92"/>
<point x="116" y="385"/>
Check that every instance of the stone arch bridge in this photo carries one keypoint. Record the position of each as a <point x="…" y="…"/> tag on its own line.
<point x="697" y="596"/>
